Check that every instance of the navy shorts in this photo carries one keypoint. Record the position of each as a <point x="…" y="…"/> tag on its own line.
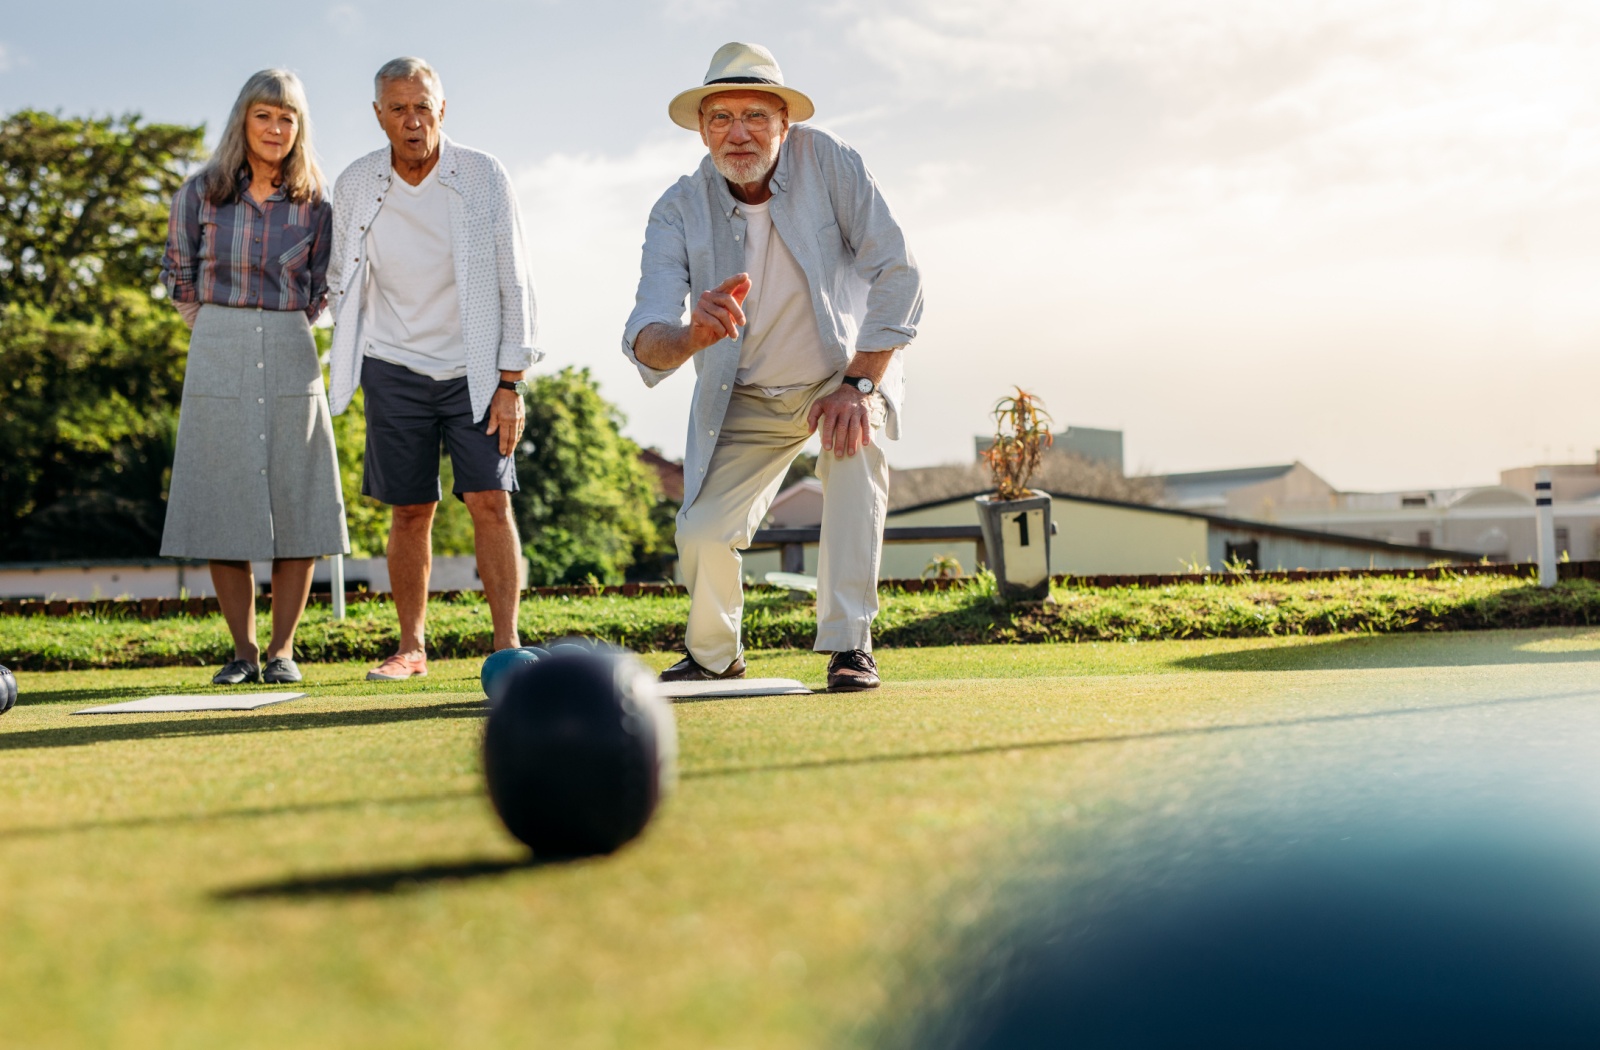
<point x="410" y="417"/>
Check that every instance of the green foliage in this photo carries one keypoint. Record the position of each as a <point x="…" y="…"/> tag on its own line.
<point x="83" y="207"/>
<point x="87" y="434"/>
<point x="585" y="509"/>
<point x="91" y="369"/>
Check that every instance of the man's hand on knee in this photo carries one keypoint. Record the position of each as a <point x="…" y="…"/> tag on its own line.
<point x="843" y="420"/>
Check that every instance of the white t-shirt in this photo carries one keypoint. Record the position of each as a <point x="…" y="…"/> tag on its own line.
<point x="411" y="312"/>
<point x="782" y="348"/>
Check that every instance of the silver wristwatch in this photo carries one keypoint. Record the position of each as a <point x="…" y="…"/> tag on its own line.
<point x="861" y="383"/>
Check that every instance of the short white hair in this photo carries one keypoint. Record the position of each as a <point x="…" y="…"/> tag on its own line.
<point x="408" y="67"/>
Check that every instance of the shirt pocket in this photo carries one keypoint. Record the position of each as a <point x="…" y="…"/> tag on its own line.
<point x="297" y="242"/>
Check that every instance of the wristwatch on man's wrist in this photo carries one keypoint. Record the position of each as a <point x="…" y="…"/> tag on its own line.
<point x="861" y="383"/>
<point x="520" y="386"/>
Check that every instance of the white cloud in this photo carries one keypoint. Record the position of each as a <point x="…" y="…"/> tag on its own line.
<point x="1229" y="227"/>
<point x="346" y="19"/>
<point x="584" y="216"/>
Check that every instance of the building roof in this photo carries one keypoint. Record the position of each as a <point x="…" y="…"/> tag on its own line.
<point x="669" y="471"/>
<point x="1232" y="478"/>
<point x="1059" y="471"/>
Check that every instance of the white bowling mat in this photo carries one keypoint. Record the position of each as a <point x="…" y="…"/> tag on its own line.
<point x="211" y="702"/>
<point x="732" y="687"/>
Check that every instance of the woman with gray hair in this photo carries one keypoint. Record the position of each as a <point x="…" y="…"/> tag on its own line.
<point x="255" y="476"/>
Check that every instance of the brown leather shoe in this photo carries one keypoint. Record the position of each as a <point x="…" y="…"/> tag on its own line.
<point x="851" y="672"/>
<point x="686" y="670"/>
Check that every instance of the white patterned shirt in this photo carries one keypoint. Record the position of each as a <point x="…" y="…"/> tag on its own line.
<point x="498" y="314"/>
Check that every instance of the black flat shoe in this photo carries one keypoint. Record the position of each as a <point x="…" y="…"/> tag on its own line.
<point x="280" y="669"/>
<point x="237" y="672"/>
<point x="686" y="670"/>
<point x="851" y="672"/>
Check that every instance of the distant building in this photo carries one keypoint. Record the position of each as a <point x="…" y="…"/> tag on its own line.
<point x="1260" y="493"/>
<point x="1491" y="521"/>
<point x="91" y="579"/>
<point x="1102" y="536"/>
<point x="668" y="471"/>
<point x="1091" y="443"/>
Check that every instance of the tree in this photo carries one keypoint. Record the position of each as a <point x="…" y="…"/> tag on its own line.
<point x="585" y="506"/>
<point x="91" y="368"/>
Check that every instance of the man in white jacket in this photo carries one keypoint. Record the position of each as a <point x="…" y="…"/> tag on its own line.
<point x="434" y="318"/>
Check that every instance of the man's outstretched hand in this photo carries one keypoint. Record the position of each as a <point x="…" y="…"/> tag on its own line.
<point x="719" y="312"/>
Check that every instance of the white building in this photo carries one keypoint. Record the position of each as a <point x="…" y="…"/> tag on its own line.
<point x="1493" y="521"/>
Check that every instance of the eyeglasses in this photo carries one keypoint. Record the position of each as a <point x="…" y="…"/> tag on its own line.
<point x="753" y="120"/>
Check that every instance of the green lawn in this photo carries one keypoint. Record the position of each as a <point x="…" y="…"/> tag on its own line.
<point x="328" y="872"/>
<point x="459" y="627"/>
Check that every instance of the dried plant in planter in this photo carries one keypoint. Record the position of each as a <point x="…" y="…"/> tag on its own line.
<point x="1021" y="435"/>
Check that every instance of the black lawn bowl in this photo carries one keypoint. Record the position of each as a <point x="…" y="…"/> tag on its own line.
<point x="579" y="752"/>
<point x="8" y="690"/>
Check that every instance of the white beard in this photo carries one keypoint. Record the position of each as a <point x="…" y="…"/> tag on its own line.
<point x="743" y="172"/>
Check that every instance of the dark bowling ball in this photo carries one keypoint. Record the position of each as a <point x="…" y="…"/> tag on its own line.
<point x="8" y="690"/>
<point x="1465" y="941"/>
<point x="580" y="751"/>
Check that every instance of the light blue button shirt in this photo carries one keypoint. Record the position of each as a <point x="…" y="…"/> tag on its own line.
<point x="865" y="287"/>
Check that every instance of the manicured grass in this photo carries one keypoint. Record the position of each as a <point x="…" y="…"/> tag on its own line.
<point x="460" y="627"/>
<point x="328" y="873"/>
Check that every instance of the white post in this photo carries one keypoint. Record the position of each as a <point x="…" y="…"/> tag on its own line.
<point x="338" y="586"/>
<point x="1545" y="522"/>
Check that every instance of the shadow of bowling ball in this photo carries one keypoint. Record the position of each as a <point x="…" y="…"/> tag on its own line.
<point x="580" y="751"/>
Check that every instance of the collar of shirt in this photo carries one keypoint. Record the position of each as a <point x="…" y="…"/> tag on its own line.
<point x="279" y="193"/>
<point x="447" y="168"/>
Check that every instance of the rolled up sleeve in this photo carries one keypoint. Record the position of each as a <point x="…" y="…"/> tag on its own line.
<point x="663" y="284"/>
<point x="180" y="262"/>
<point x="883" y="260"/>
<point x="519" y="317"/>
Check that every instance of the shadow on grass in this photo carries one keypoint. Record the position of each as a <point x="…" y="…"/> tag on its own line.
<point x="378" y="881"/>
<point x="1378" y="652"/>
<point x="1121" y="738"/>
<point x="115" y="728"/>
<point x="246" y="813"/>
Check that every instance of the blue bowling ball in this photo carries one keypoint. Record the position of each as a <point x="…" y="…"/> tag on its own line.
<point x="580" y="751"/>
<point x="497" y="671"/>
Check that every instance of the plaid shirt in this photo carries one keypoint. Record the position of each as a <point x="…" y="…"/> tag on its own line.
<point x="273" y="254"/>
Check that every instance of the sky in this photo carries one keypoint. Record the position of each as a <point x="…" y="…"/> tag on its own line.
<point x="1358" y="234"/>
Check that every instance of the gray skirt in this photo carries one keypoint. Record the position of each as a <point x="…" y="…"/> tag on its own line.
<point x="255" y="475"/>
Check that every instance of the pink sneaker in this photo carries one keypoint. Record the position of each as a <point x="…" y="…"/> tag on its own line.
<point x="398" y="668"/>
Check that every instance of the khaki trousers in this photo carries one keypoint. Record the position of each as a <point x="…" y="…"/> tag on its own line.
<point x="760" y="437"/>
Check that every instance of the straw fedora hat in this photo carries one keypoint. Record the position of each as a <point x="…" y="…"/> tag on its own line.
<point x="738" y="67"/>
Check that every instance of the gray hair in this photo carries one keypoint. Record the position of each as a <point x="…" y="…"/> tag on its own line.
<point x="300" y="175"/>
<point x="407" y="68"/>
